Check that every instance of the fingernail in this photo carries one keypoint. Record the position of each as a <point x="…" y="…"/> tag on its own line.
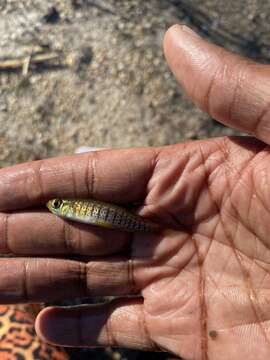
<point x="190" y="31"/>
<point x="183" y="28"/>
<point x="84" y="149"/>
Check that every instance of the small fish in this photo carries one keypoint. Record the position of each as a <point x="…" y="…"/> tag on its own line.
<point x="101" y="214"/>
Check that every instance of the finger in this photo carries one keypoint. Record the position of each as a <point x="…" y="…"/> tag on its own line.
<point x="41" y="233"/>
<point x="40" y="280"/>
<point x="119" y="323"/>
<point x="231" y="89"/>
<point x="110" y="175"/>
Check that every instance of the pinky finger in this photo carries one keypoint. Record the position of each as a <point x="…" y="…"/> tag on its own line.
<point x="119" y="323"/>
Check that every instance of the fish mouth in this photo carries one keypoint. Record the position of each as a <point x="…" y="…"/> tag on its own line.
<point x="49" y="205"/>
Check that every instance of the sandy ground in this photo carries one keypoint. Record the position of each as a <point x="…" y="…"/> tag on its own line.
<point x="109" y="85"/>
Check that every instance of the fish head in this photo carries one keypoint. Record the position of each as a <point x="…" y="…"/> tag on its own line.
<point x="58" y="207"/>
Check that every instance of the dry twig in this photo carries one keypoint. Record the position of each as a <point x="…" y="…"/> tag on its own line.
<point x="25" y="62"/>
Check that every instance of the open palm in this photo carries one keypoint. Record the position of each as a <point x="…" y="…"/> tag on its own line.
<point x="203" y="280"/>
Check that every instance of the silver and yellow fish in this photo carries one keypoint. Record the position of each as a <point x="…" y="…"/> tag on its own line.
<point x="101" y="214"/>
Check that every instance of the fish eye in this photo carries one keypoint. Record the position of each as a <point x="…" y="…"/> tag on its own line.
<point x="56" y="203"/>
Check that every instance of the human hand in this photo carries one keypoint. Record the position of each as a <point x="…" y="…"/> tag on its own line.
<point x="203" y="283"/>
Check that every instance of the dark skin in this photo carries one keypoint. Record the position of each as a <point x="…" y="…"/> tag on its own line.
<point x="204" y="283"/>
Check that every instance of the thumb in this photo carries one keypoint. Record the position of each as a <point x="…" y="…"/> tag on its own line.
<point x="233" y="90"/>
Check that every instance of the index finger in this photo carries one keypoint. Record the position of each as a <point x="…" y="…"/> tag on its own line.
<point x="117" y="176"/>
